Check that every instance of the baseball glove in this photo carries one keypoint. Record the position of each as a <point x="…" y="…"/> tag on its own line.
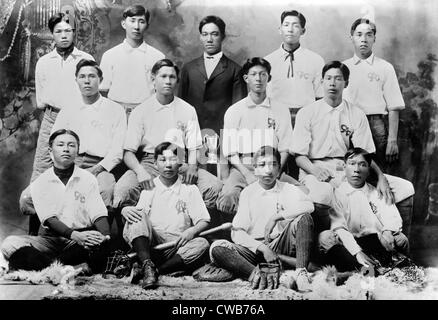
<point x="213" y="273"/>
<point x="118" y="264"/>
<point x="265" y="276"/>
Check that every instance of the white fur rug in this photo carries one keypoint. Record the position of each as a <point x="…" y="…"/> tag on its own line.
<point x="398" y="284"/>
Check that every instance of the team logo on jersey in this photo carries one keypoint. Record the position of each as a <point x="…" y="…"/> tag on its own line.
<point x="181" y="126"/>
<point x="181" y="206"/>
<point x="373" y="207"/>
<point x="303" y="75"/>
<point x="345" y="129"/>
<point x="79" y="197"/>
<point x="373" y="77"/>
<point x="271" y="123"/>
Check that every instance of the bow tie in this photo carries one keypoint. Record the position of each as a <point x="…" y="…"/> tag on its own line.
<point x="209" y="57"/>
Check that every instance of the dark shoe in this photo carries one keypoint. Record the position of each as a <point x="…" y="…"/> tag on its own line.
<point x="137" y="273"/>
<point x="150" y="275"/>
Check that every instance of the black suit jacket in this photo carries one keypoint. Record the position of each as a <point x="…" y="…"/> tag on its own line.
<point x="212" y="96"/>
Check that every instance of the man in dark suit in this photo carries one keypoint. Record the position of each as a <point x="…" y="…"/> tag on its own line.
<point x="212" y="82"/>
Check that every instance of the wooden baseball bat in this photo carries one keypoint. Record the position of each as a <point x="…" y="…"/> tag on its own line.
<point x="170" y="244"/>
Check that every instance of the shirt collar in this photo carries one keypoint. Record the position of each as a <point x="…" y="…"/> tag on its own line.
<point x="175" y="188"/>
<point x="348" y="189"/>
<point x="275" y="189"/>
<point x="326" y="108"/>
<point x="158" y="106"/>
<point x="94" y="105"/>
<point x="285" y="53"/>
<point x="54" y="54"/>
<point x="216" y="56"/>
<point x="143" y="47"/>
<point x="54" y="177"/>
<point x="250" y="104"/>
<point x="369" y="60"/>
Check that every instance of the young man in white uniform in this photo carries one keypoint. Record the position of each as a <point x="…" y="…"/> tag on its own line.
<point x="374" y="88"/>
<point x="127" y="67"/>
<point x="362" y="223"/>
<point x="325" y="130"/>
<point x="171" y="211"/>
<point x="72" y="212"/>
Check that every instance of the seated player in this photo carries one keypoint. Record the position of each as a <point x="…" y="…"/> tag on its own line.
<point x="324" y="131"/>
<point x="272" y="220"/>
<point x="162" y="117"/>
<point x="363" y="225"/>
<point x="74" y="217"/>
<point x="249" y="124"/>
<point x="171" y="211"/>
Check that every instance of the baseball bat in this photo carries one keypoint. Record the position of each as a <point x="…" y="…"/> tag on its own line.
<point x="170" y="244"/>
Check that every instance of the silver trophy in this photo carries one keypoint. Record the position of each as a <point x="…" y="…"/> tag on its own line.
<point x="211" y="143"/>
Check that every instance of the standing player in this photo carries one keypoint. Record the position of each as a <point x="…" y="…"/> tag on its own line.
<point x="296" y="71"/>
<point x="374" y="88"/>
<point x="127" y="67"/>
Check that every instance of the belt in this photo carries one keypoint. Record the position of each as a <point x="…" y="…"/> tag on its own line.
<point x="375" y="116"/>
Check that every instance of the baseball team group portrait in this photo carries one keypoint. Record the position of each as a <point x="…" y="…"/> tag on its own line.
<point x="218" y="150"/>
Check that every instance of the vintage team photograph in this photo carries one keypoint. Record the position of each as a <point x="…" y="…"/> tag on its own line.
<point x="218" y="150"/>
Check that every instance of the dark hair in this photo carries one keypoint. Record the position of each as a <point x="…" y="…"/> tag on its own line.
<point x="294" y="13"/>
<point x="57" y="18"/>
<point x="213" y="19"/>
<point x="178" y="151"/>
<point x="360" y="21"/>
<point x="164" y="63"/>
<point x="359" y="151"/>
<point x="88" y="63"/>
<point x="256" y="61"/>
<point x="60" y="132"/>
<point x="337" y="65"/>
<point x="267" y="150"/>
<point x="136" y="10"/>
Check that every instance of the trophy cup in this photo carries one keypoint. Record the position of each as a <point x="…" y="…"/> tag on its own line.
<point x="211" y="143"/>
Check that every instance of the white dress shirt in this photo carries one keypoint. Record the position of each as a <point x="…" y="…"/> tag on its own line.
<point x="248" y="127"/>
<point x="152" y="123"/>
<point x="304" y="86"/>
<point x="174" y="209"/>
<point x="211" y="61"/>
<point x="373" y="85"/>
<point x="101" y="128"/>
<point x="127" y="72"/>
<point x="360" y="212"/>
<point x="55" y="83"/>
<point x="257" y="206"/>
<point x="323" y="131"/>
<point x="77" y="204"/>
